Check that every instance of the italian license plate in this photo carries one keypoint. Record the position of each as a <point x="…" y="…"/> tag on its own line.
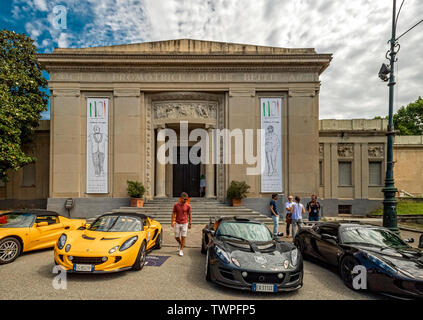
<point x="83" y="267"/>
<point x="264" y="287"/>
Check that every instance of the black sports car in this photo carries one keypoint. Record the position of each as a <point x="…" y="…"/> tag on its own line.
<point x="391" y="266"/>
<point x="243" y="254"/>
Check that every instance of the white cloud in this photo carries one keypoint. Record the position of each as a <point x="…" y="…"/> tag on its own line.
<point x="356" y="32"/>
<point x="41" y="5"/>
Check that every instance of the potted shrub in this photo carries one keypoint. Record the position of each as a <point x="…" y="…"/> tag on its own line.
<point x="237" y="191"/>
<point x="136" y="191"/>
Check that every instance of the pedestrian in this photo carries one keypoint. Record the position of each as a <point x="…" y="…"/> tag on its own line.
<point x="297" y="215"/>
<point x="275" y="214"/>
<point x="181" y="221"/>
<point x="313" y="209"/>
<point x="288" y="217"/>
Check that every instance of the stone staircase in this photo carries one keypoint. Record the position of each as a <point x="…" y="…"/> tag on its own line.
<point x="203" y="209"/>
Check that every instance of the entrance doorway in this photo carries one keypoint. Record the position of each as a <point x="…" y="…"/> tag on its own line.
<point x="186" y="177"/>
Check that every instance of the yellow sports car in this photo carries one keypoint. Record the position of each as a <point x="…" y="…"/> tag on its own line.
<point x="27" y="230"/>
<point x="113" y="242"/>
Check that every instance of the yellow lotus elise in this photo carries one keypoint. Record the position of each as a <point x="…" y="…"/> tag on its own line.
<point x="113" y="242"/>
<point x="28" y="230"/>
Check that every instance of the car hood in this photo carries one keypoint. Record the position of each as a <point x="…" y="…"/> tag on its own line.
<point x="96" y="242"/>
<point x="407" y="259"/>
<point x="269" y="256"/>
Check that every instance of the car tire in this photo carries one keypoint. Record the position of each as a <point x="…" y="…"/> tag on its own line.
<point x="141" y="258"/>
<point x="208" y="277"/>
<point x="159" y="241"/>
<point x="345" y="269"/>
<point x="10" y="249"/>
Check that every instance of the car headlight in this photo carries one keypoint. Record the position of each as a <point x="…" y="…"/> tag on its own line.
<point x="378" y="262"/>
<point x="68" y="246"/>
<point x="62" y="241"/>
<point x="222" y="255"/>
<point x="128" y="243"/>
<point x="113" y="249"/>
<point x="294" y="257"/>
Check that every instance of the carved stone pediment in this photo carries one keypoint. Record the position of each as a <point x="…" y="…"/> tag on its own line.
<point x="376" y="151"/>
<point x="185" y="110"/>
<point x="345" y="150"/>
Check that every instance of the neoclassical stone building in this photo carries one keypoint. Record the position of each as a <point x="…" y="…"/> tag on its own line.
<point x="109" y="104"/>
<point x="143" y="88"/>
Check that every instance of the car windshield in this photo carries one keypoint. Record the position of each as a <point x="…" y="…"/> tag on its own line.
<point x="16" y="220"/>
<point x="371" y="236"/>
<point x="116" y="224"/>
<point x="249" y="231"/>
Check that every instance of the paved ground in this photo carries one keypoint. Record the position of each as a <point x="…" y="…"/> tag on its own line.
<point x="30" y="277"/>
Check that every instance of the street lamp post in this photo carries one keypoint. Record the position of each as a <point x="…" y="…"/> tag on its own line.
<point x="389" y="191"/>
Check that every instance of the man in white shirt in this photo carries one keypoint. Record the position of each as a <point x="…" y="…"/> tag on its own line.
<point x="297" y="215"/>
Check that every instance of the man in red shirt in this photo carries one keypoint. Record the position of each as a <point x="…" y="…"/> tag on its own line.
<point x="181" y="221"/>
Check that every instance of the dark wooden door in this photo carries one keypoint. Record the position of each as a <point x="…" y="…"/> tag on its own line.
<point x="186" y="177"/>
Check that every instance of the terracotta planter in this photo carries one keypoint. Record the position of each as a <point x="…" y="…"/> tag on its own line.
<point x="236" y="202"/>
<point x="137" y="202"/>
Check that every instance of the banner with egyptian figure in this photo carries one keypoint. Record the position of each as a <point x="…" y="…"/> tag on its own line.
<point x="271" y="144"/>
<point x="97" y="145"/>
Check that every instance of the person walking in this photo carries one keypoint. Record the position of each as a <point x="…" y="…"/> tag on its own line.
<point x="275" y="214"/>
<point x="288" y="217"/>
<point x="297" y="215"/>
<point x="313" y="209"/>
<point x="181" y="221"/>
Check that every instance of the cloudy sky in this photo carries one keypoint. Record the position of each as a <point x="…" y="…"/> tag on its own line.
<point x="355" y="31"/>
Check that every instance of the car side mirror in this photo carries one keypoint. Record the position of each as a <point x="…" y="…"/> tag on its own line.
<point x="326" y="236"/>
<point x="41" y="224"/>
<point x="409" y="240"/>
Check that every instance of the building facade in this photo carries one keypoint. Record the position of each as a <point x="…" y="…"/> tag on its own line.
<point x="111" y="105"/>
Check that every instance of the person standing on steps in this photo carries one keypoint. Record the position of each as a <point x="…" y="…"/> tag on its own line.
<point x="288" y="217"/>
<point x="181" y="221"/>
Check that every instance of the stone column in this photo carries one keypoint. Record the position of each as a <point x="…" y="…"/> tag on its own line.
<point x="160" y="166"/>
<point x="210" y="166"/>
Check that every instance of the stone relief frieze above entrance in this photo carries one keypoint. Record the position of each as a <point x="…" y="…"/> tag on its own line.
<point x="183" y="110"/>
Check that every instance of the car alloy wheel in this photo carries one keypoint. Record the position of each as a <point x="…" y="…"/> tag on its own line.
<point x="143" y="256"/>
<point x="9" y="250"/>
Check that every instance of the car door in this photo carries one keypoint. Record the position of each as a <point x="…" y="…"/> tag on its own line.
<point x="327" y="244"/>
<point x="151" y="233"/>
<point x="45" y="232"/>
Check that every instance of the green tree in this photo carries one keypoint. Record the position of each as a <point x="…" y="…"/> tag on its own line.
<point x="409" y="120"/>
<point x="21" y="99"/>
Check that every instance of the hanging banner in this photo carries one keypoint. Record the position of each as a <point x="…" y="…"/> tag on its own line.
<point x="271" y="144"/>
<point x="97" y="145"/>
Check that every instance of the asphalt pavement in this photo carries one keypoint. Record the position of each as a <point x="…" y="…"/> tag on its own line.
<point x="31" y="277"/>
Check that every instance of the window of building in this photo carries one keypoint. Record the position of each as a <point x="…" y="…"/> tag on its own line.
<point x="321" y="173"/>
<point x="344" y="209"/>
<point x="375" y="173"/>
<point x="345" y="173"/>
<point x="28" y="179"/>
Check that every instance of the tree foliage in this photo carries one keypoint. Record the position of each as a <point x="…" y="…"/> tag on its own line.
<point x="21" y="99"/>
<point x="409" y="120"/>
